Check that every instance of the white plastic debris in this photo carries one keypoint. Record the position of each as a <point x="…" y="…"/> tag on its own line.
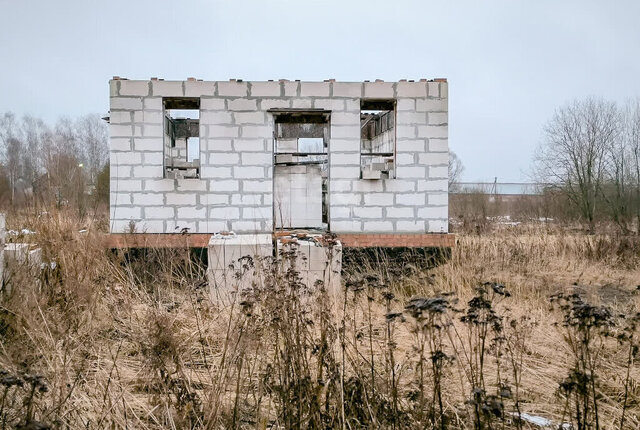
<point x="540" y="422"/>
<point x="52" y="265"/>
<point x="536" y="420"/>
<point x="23" y="232"/>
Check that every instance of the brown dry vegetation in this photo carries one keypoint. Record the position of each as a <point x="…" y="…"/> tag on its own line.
<point x="107" y="340"/>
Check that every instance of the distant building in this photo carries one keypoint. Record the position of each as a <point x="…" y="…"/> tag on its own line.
<point x="504" y="189"/>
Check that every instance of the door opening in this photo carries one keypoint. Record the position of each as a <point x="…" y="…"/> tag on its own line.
<point x="301" y="170"/>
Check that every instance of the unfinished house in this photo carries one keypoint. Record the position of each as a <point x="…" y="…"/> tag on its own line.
<point x="367" y="161"/>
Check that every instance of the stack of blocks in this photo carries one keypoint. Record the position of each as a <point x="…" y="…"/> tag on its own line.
<point x="235" y="191"/>
<point x="314" y="261"/>
<point x="225" y="254"/>
<point x="298" y="196"/>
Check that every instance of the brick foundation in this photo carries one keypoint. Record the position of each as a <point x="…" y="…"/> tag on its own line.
<point x="198" y="240"/>
<point x="149" y="240"/>
<point x="436" y="240"/>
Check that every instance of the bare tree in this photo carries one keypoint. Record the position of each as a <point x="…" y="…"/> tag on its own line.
<point x="8" y="129"/>
<point x="617" y="183"/>
<point x="572" y="156"/>
<point x="34" y="131"/>
<point x="59" y="162"/>
<point x="93" y="137"/>
<point x="455" y="170"/>
<point x="632" y="142"/>
<point x="64" y="164"/>
<point x="14" y="163"/>
<point x="66" y="139"/>
<point x="12" y="149"/>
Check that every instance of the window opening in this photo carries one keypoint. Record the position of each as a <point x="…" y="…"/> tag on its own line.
<point x="181" y="138"/>
<point x="377" y="139"/>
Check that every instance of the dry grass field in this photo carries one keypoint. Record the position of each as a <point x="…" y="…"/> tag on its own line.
<point x="115" y="340"/>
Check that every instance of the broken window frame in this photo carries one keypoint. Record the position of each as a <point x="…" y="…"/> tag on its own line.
<point x="316" y="122"/>
<point x="388" y="115"/>
<point x="180" y="128"/>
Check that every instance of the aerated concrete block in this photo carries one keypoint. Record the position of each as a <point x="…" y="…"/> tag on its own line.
<point x="225" y="252"/>
<point x="314" y="260"/>
<point x="24" y="253"/>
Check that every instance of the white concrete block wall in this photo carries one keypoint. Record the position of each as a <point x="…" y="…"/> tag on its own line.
<point x="405" y="201"/>
<point x="235" y="191"/>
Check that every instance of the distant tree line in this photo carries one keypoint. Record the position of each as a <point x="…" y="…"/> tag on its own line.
<point x="591" y="154"/>
<point x="65" y="163"/>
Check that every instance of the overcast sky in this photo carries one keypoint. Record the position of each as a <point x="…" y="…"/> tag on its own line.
<point x="509" y="63"/>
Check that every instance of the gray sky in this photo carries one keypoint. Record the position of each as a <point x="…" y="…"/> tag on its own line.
<point x="509" y="63"/>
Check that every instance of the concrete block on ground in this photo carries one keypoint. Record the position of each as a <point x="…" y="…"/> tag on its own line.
<point x="226" y="252"/>
<point x="22" y="253"/>
<point x="315" y="259"/>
